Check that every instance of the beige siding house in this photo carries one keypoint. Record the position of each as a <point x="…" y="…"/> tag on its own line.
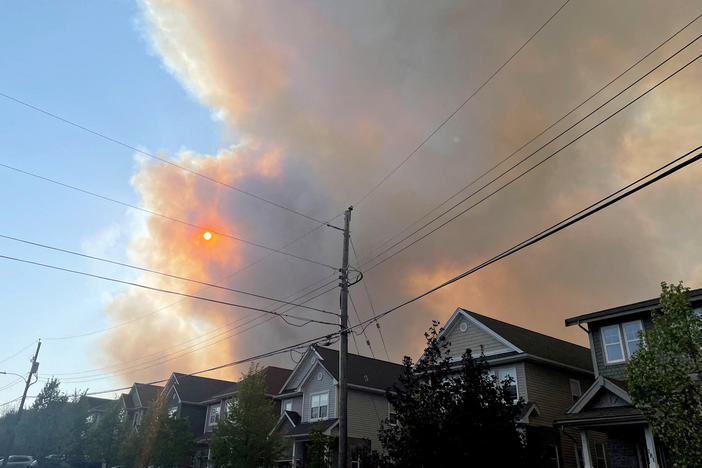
<point x="548" y="374"/>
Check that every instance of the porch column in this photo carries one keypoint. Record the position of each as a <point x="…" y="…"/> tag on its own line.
<point x="294" y="463"/>
<point x="587" y="459"/>
<point x="650" y="447"/>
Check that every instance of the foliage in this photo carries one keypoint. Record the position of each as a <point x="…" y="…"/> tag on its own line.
<point x="451" y="413"/>
<point x="664" y="375"/>
<point x="319" y="451"/>
<point x="174" y="444"/>
<point x="242" y="438"/>
<point x="104" y="441"/>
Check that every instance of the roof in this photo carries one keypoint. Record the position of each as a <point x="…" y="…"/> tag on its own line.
<point x="126" y="401"/>
<point x="602" y="417"/>
<point x="363" y="371"/>
<point x="97" y="403"/>
<point x="147" y="392"/>
<point x="294" y="417"/>
<point x="195" y="389"/>
<point x="275" y="377"/>
<point x="538" y="344"/>
<point x="628" y="309"/>
<point x="304" y="428"/>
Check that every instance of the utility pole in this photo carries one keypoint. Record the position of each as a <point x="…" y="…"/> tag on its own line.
<point x="344" y="345"/>
<point x="27" y="383"/>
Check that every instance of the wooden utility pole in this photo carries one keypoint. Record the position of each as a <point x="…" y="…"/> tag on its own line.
<point x="27" y="383"/>
<point x="344" y="345"/>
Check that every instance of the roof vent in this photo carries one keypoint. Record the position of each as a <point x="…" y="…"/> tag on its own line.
<point x="463" y="326"/>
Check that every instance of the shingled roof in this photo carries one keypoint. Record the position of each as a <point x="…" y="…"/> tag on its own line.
<point x="147" y="392"/>
<point x="363" y="371"/>
<point x="275" y="377"/>
<point x="195" y="389"/>
<point x="538" y="344"/>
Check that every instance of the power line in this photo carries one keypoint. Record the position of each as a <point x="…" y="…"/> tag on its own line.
<point x="163" y="160"/>
<point x="153" y="288"/>
<point x="160" y="215"/>
<point x="458" y="109"/>
<point x="532" y="167"/>
<point x="370" y="302"/>
<point x="677" y="164"/>
<point x="542" y="132"/>
<point x="19" y="352"/>
<point x="149" y="270"/>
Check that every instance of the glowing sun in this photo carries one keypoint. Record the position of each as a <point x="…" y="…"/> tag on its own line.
<point x="207" y="235"/>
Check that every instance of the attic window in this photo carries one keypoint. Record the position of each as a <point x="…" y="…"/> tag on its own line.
<point x="463" y="326"/>
<point x="319" y="375"/>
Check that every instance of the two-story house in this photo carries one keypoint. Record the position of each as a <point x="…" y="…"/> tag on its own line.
<point x="309" y="398"/>
<point x="547" y="373"/>
<point x="137" y="401"/>
<point x="218" y="406"/>
<point x="605" y="407"/>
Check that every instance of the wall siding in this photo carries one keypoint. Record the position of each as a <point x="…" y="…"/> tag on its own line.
<point x="613" y="371"/>
<point x="549" y="388"/>
<point x="366" y="411"/>
<point x="296" y="406"/>
<point x="473" y="338"/>
<point x="312" y="385"/>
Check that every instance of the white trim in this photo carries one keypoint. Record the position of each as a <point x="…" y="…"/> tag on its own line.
<point x="650" y="447"/>
<point x="490" y="331"/>
<point x="599" y="383"/>
<point x="136" y="392"/>
<point x="580" y="389"/>
<point x="297" y="367"/>
<point x="323" y="392"/>
<point x="604" y="344"/>
<point x="626" y="341"/>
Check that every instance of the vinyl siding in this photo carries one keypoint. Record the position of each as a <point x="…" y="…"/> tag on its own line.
<point x="522" y="388"/>
<point x="618" y="370"/>
<point x="549" y="388"/>
<point x="302" y="369"/>
<point x="366" y="411"/>
<point x="474" y="338"/>
<point x="296" y="406"/>
<point x="312" y="386"/>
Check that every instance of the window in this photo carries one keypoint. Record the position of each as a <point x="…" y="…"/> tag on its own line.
<point x="509" y="373"/>
<point x="172" y="411"/>
<point x="214" y="414"/>
<point x="575" y="390"/>
<point x="631" y="335"/>
<point x="288" y="405"/>
<point x="612" y="341"/>
<point x="392" y="416"/>
<point x="600" y="455"/>
<point x="319" y="406"/>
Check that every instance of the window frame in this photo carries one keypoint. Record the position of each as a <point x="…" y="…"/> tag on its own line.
<point x="617" y="327"/>
<point x="319" y="394"/>
<point x="210" y="413"/>
<point x="514" y="375"/>
<point x="289" y="402"/>
<point x="580" y="389"/>
<point x="641" y="328"/>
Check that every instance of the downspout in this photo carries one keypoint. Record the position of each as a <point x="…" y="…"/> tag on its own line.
<point x="592" y="349"/>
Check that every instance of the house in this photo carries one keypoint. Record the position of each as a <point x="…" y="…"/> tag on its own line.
<point x="96" y="407"/>
<point x="137" y="401"/>
<point x="547" y="373"/>
<point x="309" y="398"/>
<point x="217" y="405"/>
<point x="605" y="408"/>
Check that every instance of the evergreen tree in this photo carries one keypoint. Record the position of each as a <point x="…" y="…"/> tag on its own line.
<point x="451" y="413"/>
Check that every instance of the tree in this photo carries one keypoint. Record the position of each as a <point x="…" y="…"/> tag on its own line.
<point x="451" y="413"/>
<point x="319" y="451"/>
<point x="242" y="439"/>
<point x="175" y="443"/>
<point x="664" y="375"/>
<point x="105" y="439"/>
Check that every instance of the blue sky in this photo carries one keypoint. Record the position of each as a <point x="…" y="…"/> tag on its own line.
<point x="90" y="63"/>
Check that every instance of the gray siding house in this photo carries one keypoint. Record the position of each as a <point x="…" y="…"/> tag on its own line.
<point x="623" y="437"/>
<point x="309" y="398"/>
<point x="548" y="374"/>
<point x="137" y="401"/>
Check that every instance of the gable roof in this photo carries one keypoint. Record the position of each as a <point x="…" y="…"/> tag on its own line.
<point x="537" y="344"/>
<point x="146" y="392"/>
<point x="97" y="404"/>
<point x="195" y="389"/>
<point x="363" y="371"/>
<point x="274" y="377"/>
<point x="628" y="309"/>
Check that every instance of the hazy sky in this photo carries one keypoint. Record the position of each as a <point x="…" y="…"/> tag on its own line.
<point x="310" y="104"/>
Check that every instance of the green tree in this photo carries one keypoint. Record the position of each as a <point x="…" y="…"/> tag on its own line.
<point x="451" y="413"/>
<point x="664" y="375"/>
<point x="242" y="439"/>
<point x="319" y="451"/>
<point x="175" y="443"/>
<point x="104" y="440"/>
